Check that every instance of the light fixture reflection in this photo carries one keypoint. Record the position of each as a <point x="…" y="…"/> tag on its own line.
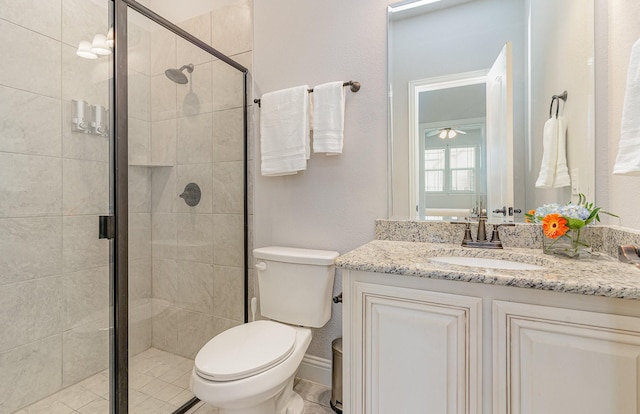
<point x="84" y="50"/>
<point x="109" y="42"/>
<point x="447" y="133"/>
<point x="412" y="5"/>
<point x="99" y="45"/>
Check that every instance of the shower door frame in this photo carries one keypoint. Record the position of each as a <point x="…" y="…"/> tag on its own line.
<point x="119" y="194"/>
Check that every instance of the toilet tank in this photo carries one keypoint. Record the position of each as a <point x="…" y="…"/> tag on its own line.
<point x="295" y="284"/>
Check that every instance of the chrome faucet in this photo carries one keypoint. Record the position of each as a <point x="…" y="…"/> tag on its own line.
<point x="481" y="238"/>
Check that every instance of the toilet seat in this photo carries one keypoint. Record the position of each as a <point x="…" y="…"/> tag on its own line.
<point x="245" y="350"/>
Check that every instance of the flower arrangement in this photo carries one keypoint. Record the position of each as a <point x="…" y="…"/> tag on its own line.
<point x="563" y="223"/>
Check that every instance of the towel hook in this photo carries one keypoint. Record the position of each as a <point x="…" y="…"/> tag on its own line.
<point x="562" y="96"/>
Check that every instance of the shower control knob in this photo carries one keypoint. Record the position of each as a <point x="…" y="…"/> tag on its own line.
<point x="191" y="194"/>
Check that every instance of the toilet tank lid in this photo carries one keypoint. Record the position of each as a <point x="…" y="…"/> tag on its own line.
<point x="296" y="255"/>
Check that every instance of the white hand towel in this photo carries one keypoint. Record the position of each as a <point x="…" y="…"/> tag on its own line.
<point x="628" y="159"/>
<point x="284" y="131"/>
<point x="562" y="178"/>
<point x="328" y="118"/>
<point x="549" y="154"/>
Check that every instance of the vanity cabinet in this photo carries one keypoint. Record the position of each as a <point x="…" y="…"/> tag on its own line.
<point x="555" y="360"/>
<point x="419" y="345"/>
<point x="411" y="350"/>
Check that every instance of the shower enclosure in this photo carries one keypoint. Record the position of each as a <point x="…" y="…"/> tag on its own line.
<point x="123" y="200"/>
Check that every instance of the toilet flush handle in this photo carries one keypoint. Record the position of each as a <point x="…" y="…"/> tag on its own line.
<point x="261" y="266"/>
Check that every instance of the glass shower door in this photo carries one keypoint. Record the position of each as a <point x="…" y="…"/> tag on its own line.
<point x="55" y="74"/>
<point x="186" y="150"/>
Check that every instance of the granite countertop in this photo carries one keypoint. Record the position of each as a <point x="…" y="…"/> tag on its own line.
<point x="600" y="275"/>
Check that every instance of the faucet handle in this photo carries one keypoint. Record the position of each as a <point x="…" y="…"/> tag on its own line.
<point x="495" y="235"/>
<point x="629" y="254"/>
<point x="467" y="231"/>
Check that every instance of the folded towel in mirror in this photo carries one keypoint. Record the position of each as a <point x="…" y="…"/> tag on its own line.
<point x="562" y="178"/>
<point x="628" y="159"/>
<point x="554" y="172"/>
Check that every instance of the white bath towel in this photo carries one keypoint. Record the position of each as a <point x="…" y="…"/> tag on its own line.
<point x="328" y="118"/>
<point x="554" y="172"/>
<point x="284" y="131"/>
<point x="628" y="159"/>
<point x="562" y="178"/>
<point x="549" y="154"/>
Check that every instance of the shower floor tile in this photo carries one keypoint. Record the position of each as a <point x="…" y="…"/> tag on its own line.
<point x="158" y="384"/>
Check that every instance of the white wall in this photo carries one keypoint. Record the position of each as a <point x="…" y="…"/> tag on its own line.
<point x="334" y="203"/>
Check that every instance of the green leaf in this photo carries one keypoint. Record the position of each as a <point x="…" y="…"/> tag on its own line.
<point x="594" y="214"/>
<point x="574" y="223"/>
<point x="609" y="214"/>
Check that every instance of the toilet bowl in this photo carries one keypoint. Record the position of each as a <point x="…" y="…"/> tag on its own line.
<point x="246" y="384"/>
<point x="249" y="369"/>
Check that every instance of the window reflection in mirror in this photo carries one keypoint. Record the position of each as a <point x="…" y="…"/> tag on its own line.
<point x="451" y="132"/>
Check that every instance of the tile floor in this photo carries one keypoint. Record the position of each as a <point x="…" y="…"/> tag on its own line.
<point x="159" y="384"/>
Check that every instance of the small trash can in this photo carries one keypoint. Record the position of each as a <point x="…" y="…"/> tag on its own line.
<point x="336" y="376"/>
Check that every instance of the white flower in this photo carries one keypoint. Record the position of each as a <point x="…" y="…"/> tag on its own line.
<point x="575" y="211"/>
<point x="543" y="210"/>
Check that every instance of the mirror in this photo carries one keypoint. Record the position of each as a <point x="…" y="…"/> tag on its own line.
<point x="439" y="48"/>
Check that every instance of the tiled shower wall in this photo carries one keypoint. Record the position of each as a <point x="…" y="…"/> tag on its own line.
<point x="54" y="276"/>
<point x="54" y="280"/>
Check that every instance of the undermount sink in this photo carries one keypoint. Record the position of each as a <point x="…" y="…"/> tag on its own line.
<point x="485" y="263"/>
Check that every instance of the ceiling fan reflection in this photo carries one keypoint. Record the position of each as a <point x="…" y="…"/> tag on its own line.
<point x="445" y="133"/>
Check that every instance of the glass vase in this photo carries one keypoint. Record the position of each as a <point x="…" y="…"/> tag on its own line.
<point x="569" y="245"/>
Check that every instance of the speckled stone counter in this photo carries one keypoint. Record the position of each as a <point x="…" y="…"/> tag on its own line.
<point x="605" y="239"/>
<point x="600" y="276"/>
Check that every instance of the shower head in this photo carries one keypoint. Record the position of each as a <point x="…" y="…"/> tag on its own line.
<point x="177" y="76"/>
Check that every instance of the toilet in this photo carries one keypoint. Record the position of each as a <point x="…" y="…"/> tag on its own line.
<point x="249" y="369"/>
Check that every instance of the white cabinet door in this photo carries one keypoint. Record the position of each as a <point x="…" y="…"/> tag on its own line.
<point x="415" y="351"/>
<point x="551" y="360"/>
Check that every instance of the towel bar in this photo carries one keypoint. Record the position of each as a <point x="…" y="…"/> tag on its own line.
<point x="355" y="87"/>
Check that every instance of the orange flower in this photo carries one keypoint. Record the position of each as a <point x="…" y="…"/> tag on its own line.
<point x="554" y="226"/>
<point x="531" y="213"/>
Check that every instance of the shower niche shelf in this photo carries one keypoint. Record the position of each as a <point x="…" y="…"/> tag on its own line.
<point x="150" y="164"/>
